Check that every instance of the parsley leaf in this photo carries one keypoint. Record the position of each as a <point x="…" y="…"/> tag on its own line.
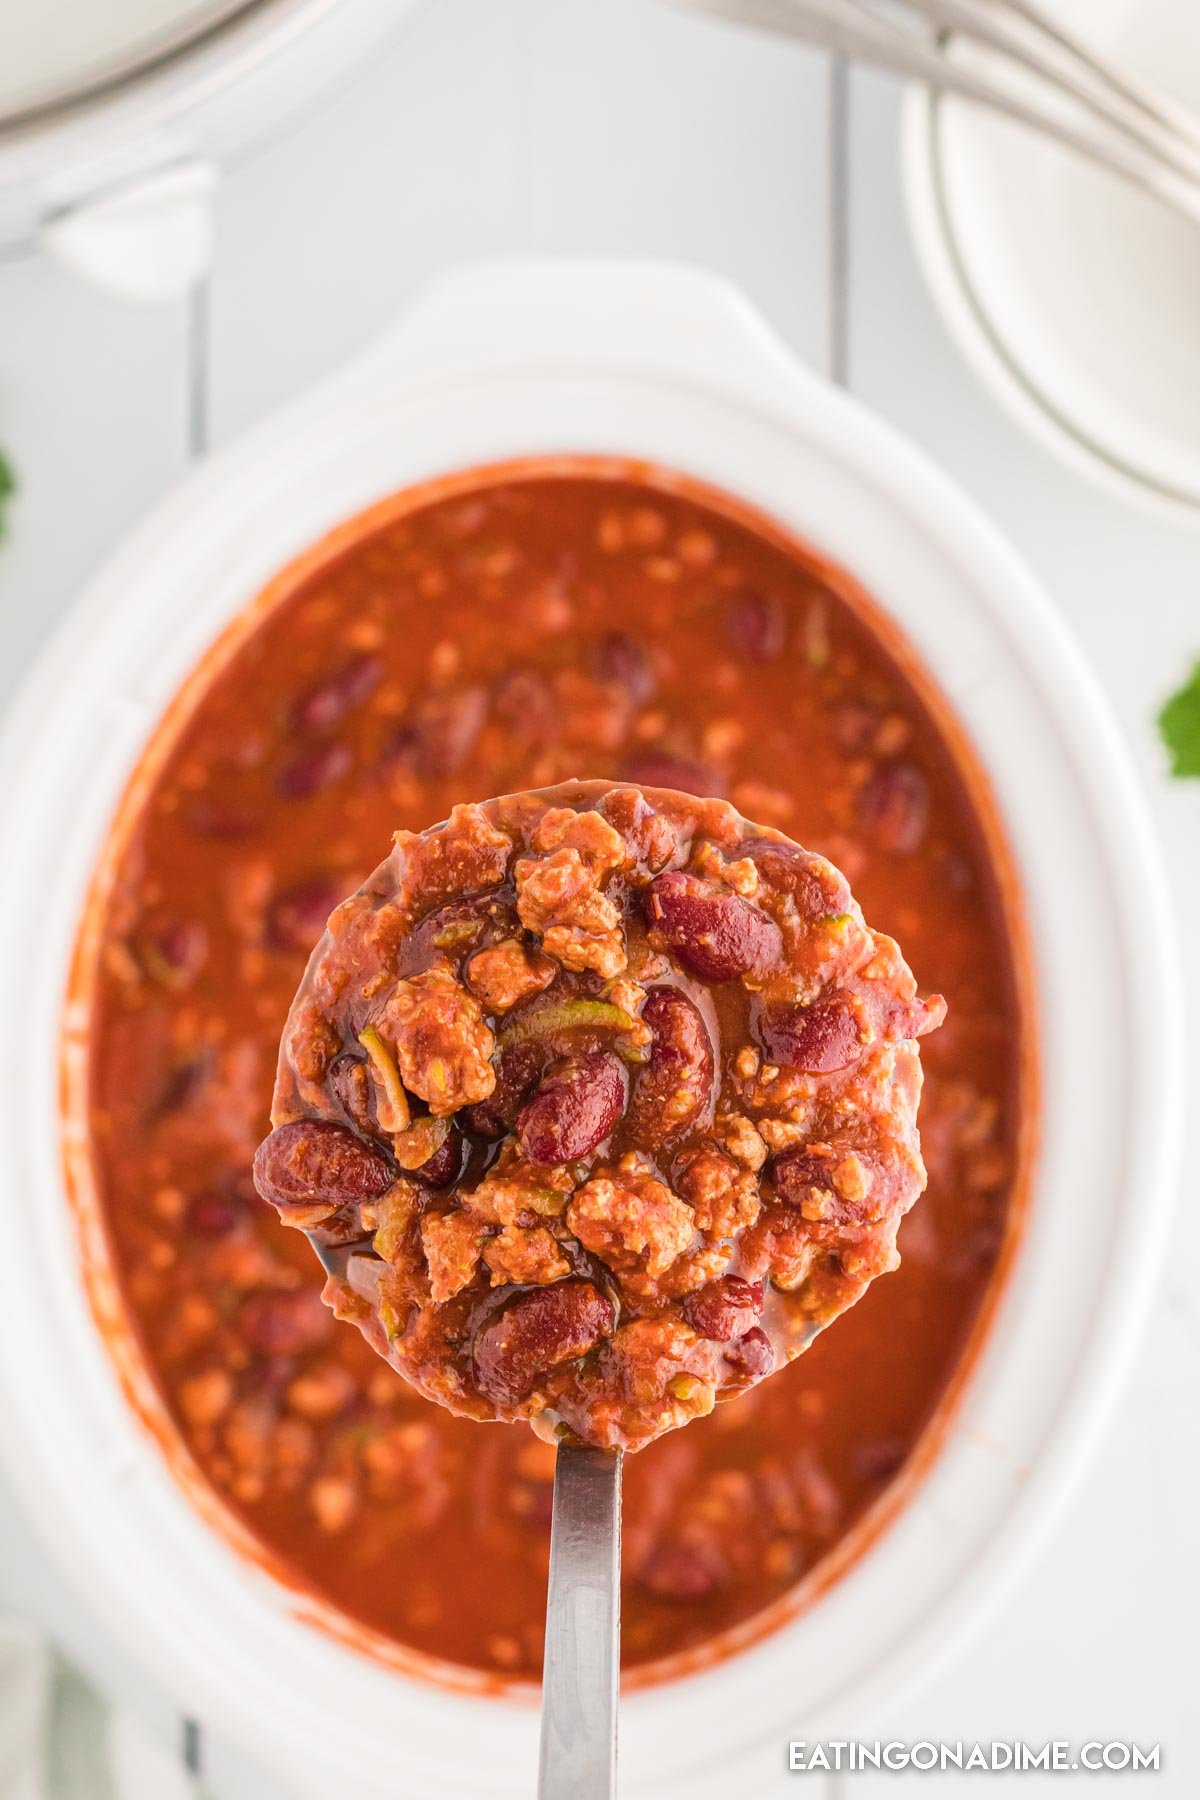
<point x="1179" y="726"/>
<point x="8" y="487"/>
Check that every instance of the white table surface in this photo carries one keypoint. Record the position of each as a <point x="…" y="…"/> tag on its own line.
<point x="620" y="126"/>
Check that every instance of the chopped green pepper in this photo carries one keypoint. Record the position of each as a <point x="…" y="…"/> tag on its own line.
<point x="391" y="1106"/>
<point x="553" y="1016"/>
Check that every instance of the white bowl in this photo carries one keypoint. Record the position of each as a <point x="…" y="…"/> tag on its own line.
<point x="1072" y="296"/>
<point x="668" y="365"/>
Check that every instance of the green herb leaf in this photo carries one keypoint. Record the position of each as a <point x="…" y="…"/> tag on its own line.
<point x="1179" y="726"/>
<point x="8" y="487"/>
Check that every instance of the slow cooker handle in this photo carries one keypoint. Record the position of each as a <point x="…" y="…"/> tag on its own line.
<point x="149" y="240"/>
<point x="673" y="321"/>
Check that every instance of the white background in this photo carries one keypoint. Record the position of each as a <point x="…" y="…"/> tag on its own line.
<point x="620" y="126"/>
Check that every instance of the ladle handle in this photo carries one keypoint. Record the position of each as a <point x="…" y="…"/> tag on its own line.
<point x="583" y="1629"/>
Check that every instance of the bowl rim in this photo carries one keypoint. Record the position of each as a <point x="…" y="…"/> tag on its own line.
<point x="692" y="344"/>
<point x="986" y="350"/>
<point x="209" y="100"/>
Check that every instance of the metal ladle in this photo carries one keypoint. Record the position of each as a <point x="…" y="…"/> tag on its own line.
<point x="581" y="1668"/>
<point x="582" y="1662"/>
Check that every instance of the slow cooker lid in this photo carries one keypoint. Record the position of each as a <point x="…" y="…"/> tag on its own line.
<point x="59" y="52"/>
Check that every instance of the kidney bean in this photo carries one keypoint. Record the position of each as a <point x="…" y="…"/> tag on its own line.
<point x="674" y="1087"/>
<point x="311" y="770"/>
<point x="578" y="1103"/>
<point x="816" y="1039"/>
<point x="725" y="1309"/>
<point x="210" y="1216"/>
<point x="675" y="1571"/>
<point x="183" y="1085"/>
<point x="713" y="932"/>
<point x="657" y="769"/>
<point x="281" y="1324"/>
<point x="756" y="626"/>
<point x="326" y="704"/>
<point x="223" y="818"/>
<point x="535" y="1333"/>
<point x="450" y="724"/>
<point x="297" y="917"/>
<point x="618" y="659"/>
<point x="878" y="1459"/>
<point x="751" y="1357"/>
<point x="794" y="1172"/>
<point x="311" y="1162"/>
<point x="894" y="807"/>
<point x="177" y="955"/>
<point x="445" y="1165"/>
<point x="816" y="887"/>
<point x="439" y="734"/>
<point x="517" y="1070"/>
<point x="349" y="1083"/>
<point x="522" y="699"/>
<point x="855" y="725"/>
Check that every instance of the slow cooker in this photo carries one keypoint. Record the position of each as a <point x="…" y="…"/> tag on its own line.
<point x="666" y="364"/>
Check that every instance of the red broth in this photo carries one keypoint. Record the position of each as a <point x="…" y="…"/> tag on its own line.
<point x="505" y="629"/>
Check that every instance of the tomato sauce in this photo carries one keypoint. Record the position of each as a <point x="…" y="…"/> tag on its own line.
<point x="520" y="627"/>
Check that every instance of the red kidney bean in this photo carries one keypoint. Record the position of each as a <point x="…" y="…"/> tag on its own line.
<point x="713" y="932"/>
<point x="675" y="1571"/>
<point x="522" y="699"/>
<point x="578" y="1103"/>
<point x="281" y="1324"/>
<point x="439" y="734"/>
<point x="854" y="726"/>
<point x="816" y="887"/>
<point x="535" y="1333"/>
<point x="177" y="955"/>
<point x="619" y="659"/>
<point x="450" y="725"/>
<point x="751" y="1357"/>
<point x="351" y="1090"/>
<point x="211" y="1216"/>
<point x="756" y="626"/>
<point x="326" y="704"/>
<point x="184" y="1084"/>
<point x="678" y="1075"/>
<point x="816" y="1039"/>
<point x="894" y="807"/>
<point x="310" y="1162"/>
<point x="794" y="1172"/>
<point x="517" y="1070"/>
<point x="297" y="917"/>
<point x="878" y="1459"/>
<point x="656" y="769"/>
<point x="310" y="771"/>
<point x="223" y="818"/>
<point x="725" y="1309"/>
<point x="445" y="1165"/>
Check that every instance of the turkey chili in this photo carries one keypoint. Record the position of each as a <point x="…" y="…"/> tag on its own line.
<point x="617" y="1092"/>
<point x="499" y="632"/>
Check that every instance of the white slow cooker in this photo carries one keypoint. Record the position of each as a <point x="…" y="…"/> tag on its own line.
<point x="670" y="365"/>
<point x="116" y="119"/>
